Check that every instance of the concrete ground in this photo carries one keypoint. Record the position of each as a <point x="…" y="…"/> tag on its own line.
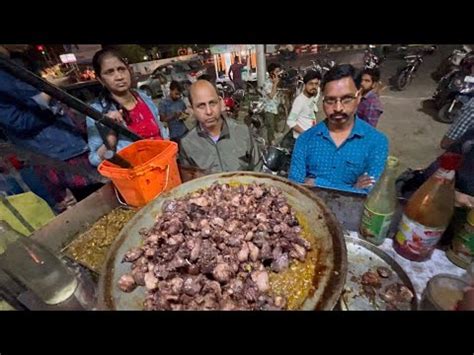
<point x="413" y="132"/>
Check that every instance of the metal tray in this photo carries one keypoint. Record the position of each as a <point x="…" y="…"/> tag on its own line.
<point x="362" y="256"/>
<point x="330" y="271"/>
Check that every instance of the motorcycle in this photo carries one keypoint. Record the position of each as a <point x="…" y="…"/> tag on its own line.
<point x="276" y="160"/>
<point x="224" y="84"/>
<point x="232" y="101"/>
<point x="371" y="60"/>
<point x="322" y="65"/>
<point x="406" y="73"/>
<point x="451" y="63"/>
<point x="453" y="91"/>
<point x="404" y="50"/>
<point x="286" y="55"/>
<point x="288" y="77"/>
<point x="232" y="98"/>
<point x="255" y="118"/>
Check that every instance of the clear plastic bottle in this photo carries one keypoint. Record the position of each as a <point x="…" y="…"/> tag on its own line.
<point x="380" y="205"/>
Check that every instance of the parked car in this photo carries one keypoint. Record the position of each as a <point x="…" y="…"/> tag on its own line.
<point x="185" y="72"/>
<point x="85" y="91"/>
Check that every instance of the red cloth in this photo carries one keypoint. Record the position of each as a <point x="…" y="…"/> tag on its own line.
<point x="56" y="181"/>
<point x="15" y="162"/>
<point x="142" y="121"/>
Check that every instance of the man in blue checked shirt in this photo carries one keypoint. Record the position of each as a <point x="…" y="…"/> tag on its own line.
<point x="342" y="152"/>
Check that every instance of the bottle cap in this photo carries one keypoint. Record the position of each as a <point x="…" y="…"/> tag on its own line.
<point x="392" y="162"/>
<point x="450" y="161"/>
<point x="470" y="217"/>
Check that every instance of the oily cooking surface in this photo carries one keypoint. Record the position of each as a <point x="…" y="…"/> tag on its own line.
<point x="297" y="282"/>
<point x="317" y="222"/>
<point x="91" y="247"/>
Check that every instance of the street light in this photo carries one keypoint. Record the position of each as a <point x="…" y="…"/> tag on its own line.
<point x="145" y="57"/>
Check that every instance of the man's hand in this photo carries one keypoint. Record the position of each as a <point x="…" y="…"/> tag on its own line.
<point x="44" y="96"/>
<point x="112" y="143"/>
<point x="116" y="116"/>
<point x="364" y="181"/>
<point x="446" y="142"/>
<point x="463" y="200"/>
<point x="298" y="129"/>
<point x="309" y="181"/>
<point x="275" y="80"/>
<point x="112" y="140"/>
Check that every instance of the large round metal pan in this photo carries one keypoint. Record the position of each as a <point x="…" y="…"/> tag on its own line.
<point x="317" y="220"/>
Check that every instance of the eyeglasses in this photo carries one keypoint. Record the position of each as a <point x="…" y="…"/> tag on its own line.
<point x="345" y="100"/>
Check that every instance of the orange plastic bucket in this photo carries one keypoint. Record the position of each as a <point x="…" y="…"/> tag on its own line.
<point x="154" y="171"/>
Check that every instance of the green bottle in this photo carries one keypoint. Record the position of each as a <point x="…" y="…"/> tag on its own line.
<point x="380" y="205"/>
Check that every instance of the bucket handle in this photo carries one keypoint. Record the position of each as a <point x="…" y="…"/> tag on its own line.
<point x="119" y="199"/>
<point x="167" y="179"/>
<point x="164" y="188"/>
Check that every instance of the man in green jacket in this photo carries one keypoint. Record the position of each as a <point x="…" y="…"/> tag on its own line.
<point x="216" y="144"/>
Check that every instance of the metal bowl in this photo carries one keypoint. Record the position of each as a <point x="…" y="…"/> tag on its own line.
<point x="317" y="221"/>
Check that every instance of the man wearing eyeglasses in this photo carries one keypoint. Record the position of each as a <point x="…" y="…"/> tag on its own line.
<point x="342" y="152"/>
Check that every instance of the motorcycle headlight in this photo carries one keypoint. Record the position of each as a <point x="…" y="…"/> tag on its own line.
<point x="457" y="83"/>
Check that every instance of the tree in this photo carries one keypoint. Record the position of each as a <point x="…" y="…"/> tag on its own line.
<point x="133" y="52"/>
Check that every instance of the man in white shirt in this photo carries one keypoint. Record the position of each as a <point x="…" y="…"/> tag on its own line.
<point x="304" y="109"/>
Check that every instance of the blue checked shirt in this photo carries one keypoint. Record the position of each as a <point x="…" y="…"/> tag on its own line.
<point x="316" y="156"/>
<point x="168" y="107"/>
<point x="463" y="121"/>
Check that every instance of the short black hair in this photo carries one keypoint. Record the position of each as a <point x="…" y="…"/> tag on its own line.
<point x="272" y="66"/>
<point x="339" y="72"/>
<point x="311" y="75"/>
<point x="374" y="73"/>
<point x="174" y="85"/>
<point x="236" y="58"/>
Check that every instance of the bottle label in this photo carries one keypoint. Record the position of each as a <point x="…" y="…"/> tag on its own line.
<point x="416" y="238"/>
<point x="374" y="226"/>
<point x="445" y="175"/>
<point x="463" y="244"/>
